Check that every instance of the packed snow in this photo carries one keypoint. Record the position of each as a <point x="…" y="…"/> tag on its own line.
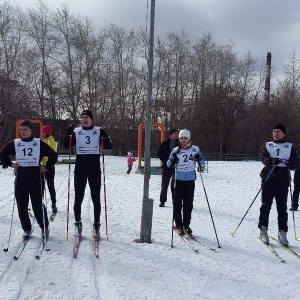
<point x="242" y="268"/>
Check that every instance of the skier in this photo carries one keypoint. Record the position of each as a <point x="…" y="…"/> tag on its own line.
<point x="295" y="198"/>
<point x="29" y="152"/>
<point x="163" y="154"/>
<point x="88" y="140"/>
<point x="185" y="157"/>
<point x="130" y="161"/>
<point x="48" y="138"/>
<point x="278" y="156"/>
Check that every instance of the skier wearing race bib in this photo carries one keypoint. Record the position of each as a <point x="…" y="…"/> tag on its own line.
<point x="184" y="158"/>
<point x="29" y="152"/>
<point x="87" y="140"/>
<point x="278" y="156"/>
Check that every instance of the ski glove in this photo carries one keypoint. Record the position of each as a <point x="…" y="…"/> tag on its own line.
<point x="174" y="159"/>
<point x="275" y="161"/>
<point x="70" y="130"/>
<point x="201" y="169"/>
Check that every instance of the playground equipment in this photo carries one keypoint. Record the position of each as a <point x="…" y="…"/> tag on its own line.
<point x="154" y="170"/>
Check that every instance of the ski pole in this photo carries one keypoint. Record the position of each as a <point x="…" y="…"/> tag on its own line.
<point x="12" y="217"/>
<point x="104" y="188"/>
<point x="270" y="173"/>
<point x="44" y="207"/>
<point x="295" y="235"/>
<point x="209" y="207"/>
<point x="172" y="237"/>
<point x="69" y="180"/>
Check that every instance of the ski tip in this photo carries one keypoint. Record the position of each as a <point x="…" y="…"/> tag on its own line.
<point x="232" y="233"/>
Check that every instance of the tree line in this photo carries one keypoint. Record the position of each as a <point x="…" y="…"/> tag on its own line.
<point x="54" y="64"/>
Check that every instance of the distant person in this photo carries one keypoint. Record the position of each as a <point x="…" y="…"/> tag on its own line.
<point x="130" y="161"/>
<point x="278" y="156"/>
<point x="184" y="158"/>
<point x="295" y="198"/>
<point x="48" y="138"/>
<point x="88" y="140"/>
<point x="29" y="152"/>
<point x="163" y="154"/>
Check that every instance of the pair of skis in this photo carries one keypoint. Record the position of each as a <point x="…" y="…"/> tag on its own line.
<point x="77" y="242"/>
<point x="23" y="245"/>
<point x="275" y="253"/>
<point x="187" y="237"/>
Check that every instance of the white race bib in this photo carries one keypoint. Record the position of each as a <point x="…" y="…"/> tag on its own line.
<point x="87" y="141"/>
<point x="27" y="153"/>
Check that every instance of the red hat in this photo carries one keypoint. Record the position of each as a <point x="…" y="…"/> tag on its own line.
<point x="47" y="129"/>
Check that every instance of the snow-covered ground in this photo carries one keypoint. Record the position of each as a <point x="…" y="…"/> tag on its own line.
<point x="241" y="269"/>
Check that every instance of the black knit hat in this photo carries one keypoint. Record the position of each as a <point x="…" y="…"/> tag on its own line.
<point x="28" y="123"/>
<point x="87" y="113"/>
<point x="280" y="127"/>
<point x="173" y="130"/>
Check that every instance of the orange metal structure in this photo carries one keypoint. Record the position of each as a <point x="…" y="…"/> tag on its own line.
<point x="140" y="138"/>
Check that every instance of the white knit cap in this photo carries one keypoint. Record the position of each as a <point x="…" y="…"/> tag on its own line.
<point x="185" y="132"/>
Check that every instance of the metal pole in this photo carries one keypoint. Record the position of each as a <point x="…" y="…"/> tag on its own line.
<point x="147" y="208"/>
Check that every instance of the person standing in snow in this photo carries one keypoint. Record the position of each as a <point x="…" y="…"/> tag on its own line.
<point x="296" y="191"/>
<point x="130" y="161"/>
<point x="48" y="138"/>
<point x="29" y="152"/>
<point x="278" y="156"/>
<point x="184" y="158"/>
<point x="163" y="154"/>
<point x="87" y="139"/>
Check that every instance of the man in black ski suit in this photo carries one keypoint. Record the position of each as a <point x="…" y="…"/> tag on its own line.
<point x="163" y="154"/>
<point x="88" y="140"/>
<point x="278" y="156"/>
<point x="29" y="152"/>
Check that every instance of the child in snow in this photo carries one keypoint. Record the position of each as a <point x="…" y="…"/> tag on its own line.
<point x="185" y="157"/>
<point x="130" y="161"/>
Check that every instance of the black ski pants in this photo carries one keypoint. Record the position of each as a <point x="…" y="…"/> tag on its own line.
<point x="296" y="191"/>
<point x="25" y="188"/>
<point x="183" y="202"/>
<point x="49" y="176"/>
<point x="279" y="191"/>
<point x="93" y="176"/>
<point x="167" y="174"/>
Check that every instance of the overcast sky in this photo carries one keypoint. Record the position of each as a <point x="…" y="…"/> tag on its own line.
<point x="260" y="26"/>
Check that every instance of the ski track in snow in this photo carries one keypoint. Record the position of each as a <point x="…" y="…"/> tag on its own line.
<point x="241" y="269"/>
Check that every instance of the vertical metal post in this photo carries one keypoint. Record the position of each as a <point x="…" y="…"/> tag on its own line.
<point x="268" y="78"/>
<point x="147" y="207"/>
